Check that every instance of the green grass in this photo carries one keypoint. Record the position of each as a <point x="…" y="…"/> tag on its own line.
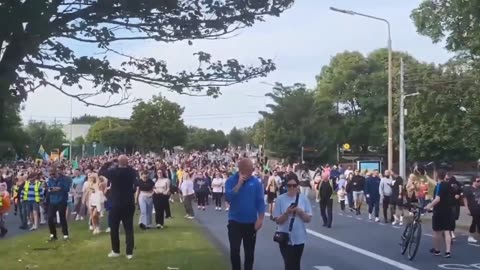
<point x="182" y="244"/>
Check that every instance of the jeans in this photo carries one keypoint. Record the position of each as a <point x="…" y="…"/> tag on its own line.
<point x="304" y="190"/>
<point x="160" y="201"/>
<point x="217" y="196"/>
<point x="238" y="232"/>
<point x="374" y="203"/>
<point x="475" y="226"/>
<point x="187" y="203"/>
<point x="385" y="205"/>
<point x="326" y="207"/>
<point x="292" y="255"/>
<point x="146" y="209"/>
<point x="78" y="206"/>
<point x="351" y="203"/>
<point x="122" y="214"/>
<point x="168" y="212"/>
<point x="61" y="208"/>
<point x="342" y="205"/>
<point x="202" y="198"/>
<point x="23" y="213"/>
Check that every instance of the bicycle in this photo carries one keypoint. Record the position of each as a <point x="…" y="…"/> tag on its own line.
<point x="411" y="236"/>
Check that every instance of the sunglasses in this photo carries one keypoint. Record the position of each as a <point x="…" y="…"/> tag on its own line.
<point x="292" y="185"/>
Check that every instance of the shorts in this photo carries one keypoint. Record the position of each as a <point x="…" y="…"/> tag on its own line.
<point x="271" y="196"/>
<point x="358" y="196"/>
<point x="32" y="206"/>
<point x="442" y="221"/>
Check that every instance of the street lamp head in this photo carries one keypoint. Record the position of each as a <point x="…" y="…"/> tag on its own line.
<point x="349" y="12"/>
<point x="412" y="94"/>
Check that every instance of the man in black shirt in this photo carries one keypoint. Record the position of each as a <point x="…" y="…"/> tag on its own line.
<point x="358" y="188"/>
<point x="325" y="192"/>
<point x="471" y="199"/>
<point x="442" y="215"/>
<point x="121" y="185"/>
<point x="396" y="201"/>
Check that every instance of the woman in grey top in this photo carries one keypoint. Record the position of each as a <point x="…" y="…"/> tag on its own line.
<point x="385" y="190"/>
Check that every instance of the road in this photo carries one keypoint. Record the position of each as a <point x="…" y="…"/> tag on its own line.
<point x="352" y="243"/>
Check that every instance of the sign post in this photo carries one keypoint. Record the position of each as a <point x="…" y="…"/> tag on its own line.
<point x="94" y="144"/>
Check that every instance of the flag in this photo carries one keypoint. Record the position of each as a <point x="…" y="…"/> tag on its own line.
<point x="64" y="153"/>
<point x="43" y="153"/>
<point x="75" y="165"/>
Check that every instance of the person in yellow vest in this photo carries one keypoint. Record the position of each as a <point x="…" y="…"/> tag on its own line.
<point x="325" y="192"/>
<point x="4" y="208"/>
<point x="32" y="195"/>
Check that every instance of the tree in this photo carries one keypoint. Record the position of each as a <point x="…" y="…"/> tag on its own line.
<point x="39" y="133"/>
<point x="37" y="37"/>
<point x="78" y="141"/>
<point x="85" y="119"/>
<point x="236" y="137"/>
<point x="205" y="139"/>
<point x="297" y="120"/>
<point x="106" y="123"/>
<point x="122" y="137"/>
<point x="158" y="123"/>
<point x="452" y="22"/>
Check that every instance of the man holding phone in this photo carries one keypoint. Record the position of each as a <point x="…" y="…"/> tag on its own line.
<point x="247" y="211"/>
<point x="58" y="190"/>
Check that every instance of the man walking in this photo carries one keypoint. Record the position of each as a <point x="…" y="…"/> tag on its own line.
<point x="386" y="195"/>
<point x="121" y="185"/>
<point x="373" y="195"/>
<point x="247" y="210"/>
<point x="326" y="202"/>
<point x="471" y="200"/>
<point x="58" y="189"/>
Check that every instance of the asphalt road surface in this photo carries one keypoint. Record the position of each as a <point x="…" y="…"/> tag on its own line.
<point x="353" y="242"/>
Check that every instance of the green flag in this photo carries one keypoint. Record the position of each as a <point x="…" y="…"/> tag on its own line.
<point x="64" y="153"/>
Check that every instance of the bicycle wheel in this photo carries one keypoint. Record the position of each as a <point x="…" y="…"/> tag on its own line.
<point x="416" y="236"/>
<point x="405" y="239"/>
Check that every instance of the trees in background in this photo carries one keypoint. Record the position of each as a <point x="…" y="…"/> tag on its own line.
<point x="205" y="139"/>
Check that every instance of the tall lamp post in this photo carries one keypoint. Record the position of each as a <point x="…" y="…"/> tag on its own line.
<point x="390" y="110"/>
<point x="402" y="160"/>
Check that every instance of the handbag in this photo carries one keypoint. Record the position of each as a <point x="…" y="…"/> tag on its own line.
<point x="284" y="237"/>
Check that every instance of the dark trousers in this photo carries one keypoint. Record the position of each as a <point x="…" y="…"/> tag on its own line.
<point x="342" y="205"/>
<point x="23" y="213"/>
<point x="168" y="212"/>
<point x="351" y="203"/>
<point x="238" y="232"/>
<point x="202" y="198"/>
<point x="292" y="255"/>
<point x="475" y="226"/>
<point x="160" y="202"/>
<point x="125" y="215"/>
<point x="374" y="203"/>
<point x="217" y="196"/>
<point x="385" y="205"/>
<point x="326" y="210"/>
<point x="61" y="208"/>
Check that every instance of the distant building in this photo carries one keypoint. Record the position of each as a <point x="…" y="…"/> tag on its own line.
<point x="78" y="130"/>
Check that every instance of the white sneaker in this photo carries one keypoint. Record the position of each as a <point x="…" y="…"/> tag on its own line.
<point x="90" y="228"/>
<point x="81" y="218"/>
<point x="159" y="226"/>
<point x="65" y="237"/>
<point x="395" y="222"/>
<point x="370" y="216"/>
<point x="113" y="254"/>
<point x="472" y="240"/>
<point x="77" y="218"/>
<point x="33" y="228"/>
<point x="107" y="230"/>
<point x="226" y="209"/>
<point x="377" y="219"/>
<point x="129" y="257"/>
<point x="190" y="217"/>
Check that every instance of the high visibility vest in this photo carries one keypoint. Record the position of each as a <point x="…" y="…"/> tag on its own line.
<point x="36" y="190"/>
<point x="15" y="191"/>
<point x="1" y="201"/>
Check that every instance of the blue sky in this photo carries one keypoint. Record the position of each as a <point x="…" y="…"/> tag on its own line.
<point x="301" y="41"/>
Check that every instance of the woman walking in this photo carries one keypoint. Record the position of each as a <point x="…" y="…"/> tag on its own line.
<point x="188" y="192"/>
<point x="95" y="201"/>
<point x="144" y="200"/>
<point x="161" y="193"/>
<point x="217" y="188"/>
<point x="292" y="211"/>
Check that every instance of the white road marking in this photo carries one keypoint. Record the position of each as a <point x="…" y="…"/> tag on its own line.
<point x="380" y="223"/>
<point x="323" y="267"/>
<point x="475" y="245"/>
<point x="340" y="214"/>
<point x="367" y="253"/>
<point x="396" y="227"/>
<point x="359" y="218"/>
<point x="427" y="234"/>
<point x="349" y="216"/>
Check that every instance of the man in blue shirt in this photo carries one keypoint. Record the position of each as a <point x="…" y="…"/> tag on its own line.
<point x="58" y="189"/>
<point x="372" y="191"/>
<point x="247" y="211"/>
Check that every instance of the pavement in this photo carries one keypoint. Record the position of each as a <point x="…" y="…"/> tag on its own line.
<point x="353" y="242"/>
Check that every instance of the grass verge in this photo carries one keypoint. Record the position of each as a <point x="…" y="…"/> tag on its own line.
<point x="181" y="245"/>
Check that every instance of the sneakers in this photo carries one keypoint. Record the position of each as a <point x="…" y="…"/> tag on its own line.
<point x="65" y="237"/>
<point x="129" y="257"/>
<point x="377" y="219"/>
<point x="447" y="255"/>
<point x="52" y="238"/>
<point x="3" y="232"/>
<point x="90" y="228"/>
<point x="113" y="254"/>
<point x="471" y="239"/>
<point x="159" y="226"/>
<point x="435" y="252"/>
<point x="107" y="230"/>
<point x="370" y="217"/>
<point x="33" y="228"/>
<point x="190" y="217"/>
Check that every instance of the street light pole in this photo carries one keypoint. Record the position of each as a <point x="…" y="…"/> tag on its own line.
<point x="402" y="148"/>
<point x="390" y="81"/>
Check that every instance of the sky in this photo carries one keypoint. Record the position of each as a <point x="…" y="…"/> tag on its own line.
<point x="300" y="41"/>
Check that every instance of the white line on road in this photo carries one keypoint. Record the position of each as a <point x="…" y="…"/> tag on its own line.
<point x="349" y="216"/>
<point x="359" y="218"/>
<point x="396" y="227"/>
<point x="428" y="234"/>
<point x="380" y="223"/>
<point x="475" y="245"/>
<point x="362" y="251"/>
<point x="323" y="267"/>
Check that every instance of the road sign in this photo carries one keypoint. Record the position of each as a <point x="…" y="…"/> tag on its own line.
<point x="346" y="146"/>
<point x="94" y="144"/>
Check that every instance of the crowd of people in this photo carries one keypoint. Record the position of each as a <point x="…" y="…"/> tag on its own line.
<point x="55" y="192"/>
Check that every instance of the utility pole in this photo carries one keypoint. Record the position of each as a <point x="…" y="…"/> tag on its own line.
<point x="402" y="155"/>
<point x="71" y="130"/>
